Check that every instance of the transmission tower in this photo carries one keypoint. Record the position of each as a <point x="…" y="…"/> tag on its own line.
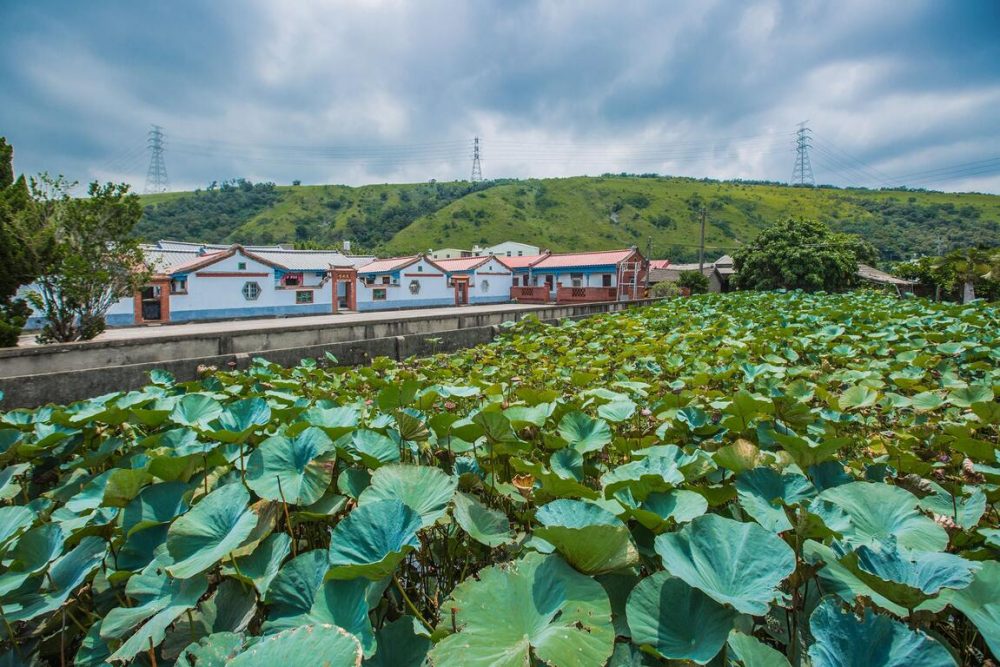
<point x="477" y="169"/>
<point x="156" y="175"/>
<point x="802" y="174"/>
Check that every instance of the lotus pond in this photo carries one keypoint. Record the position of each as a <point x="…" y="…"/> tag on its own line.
<point x="744" y="479"/>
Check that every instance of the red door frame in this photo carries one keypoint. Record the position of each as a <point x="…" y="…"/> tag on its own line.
<point x="461" y="290"/>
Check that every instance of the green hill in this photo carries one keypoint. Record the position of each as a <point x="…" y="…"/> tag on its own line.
<point x="580" y="213"/>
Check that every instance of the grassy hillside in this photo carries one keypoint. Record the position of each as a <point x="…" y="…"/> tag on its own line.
<point x="571" y="214"/>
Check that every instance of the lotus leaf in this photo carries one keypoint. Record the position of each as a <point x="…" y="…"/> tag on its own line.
<point x="296" y="470"/>
<point x="763" y="492"/>
<point x="372" y="539"/>
<point x="734" y="563"/>
<point x="484" y="525"/>
<point x="909" y="577"/>
<point x="590" y="538"/>
<point x="537" y="607"/>
<point x="583" y="433"/>
<point x="426" y="490"/>
<point x="306" y="646"/>
<point x="206" y="533"/>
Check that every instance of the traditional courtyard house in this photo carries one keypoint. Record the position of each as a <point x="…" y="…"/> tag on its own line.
<point x="522" y="289"/>
<point x="403" y="282"/>
<point x="486" y="279"/>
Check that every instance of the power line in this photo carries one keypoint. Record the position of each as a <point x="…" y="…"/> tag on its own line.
<point x="156" y="175"/>
<point x="802" y="172"/>
<point x="477" y="168"/>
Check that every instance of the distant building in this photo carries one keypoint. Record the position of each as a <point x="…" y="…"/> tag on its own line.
<point x="488" y="279"/>
<point x="874" y="276"/>
<point x="508" y="249"/>
<point x="717" y="272"/>
<point x="403" y="282"/>
<point x="449" y="253"/>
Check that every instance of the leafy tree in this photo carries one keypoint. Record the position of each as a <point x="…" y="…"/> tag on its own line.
<point x="800" y="254"/>
<point x="664" y="289"/>
<point x="92" y="261"/>
<point x="18" y="264"/>
<point x="948" y="276"/>
<point x="695" y="281"/>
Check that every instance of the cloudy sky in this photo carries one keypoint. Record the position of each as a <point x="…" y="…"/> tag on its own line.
<point x="392" y="91"/>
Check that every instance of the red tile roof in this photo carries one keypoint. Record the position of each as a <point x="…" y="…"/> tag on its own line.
<point x="522" y="261"/>
<point x="461" y="263"/>
<point x="388" y="264"/>
<point x="599" y="258"/>
<point x="659" y="263"/>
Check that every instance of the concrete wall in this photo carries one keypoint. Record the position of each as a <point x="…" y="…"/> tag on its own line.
<point x="30" y="377"/>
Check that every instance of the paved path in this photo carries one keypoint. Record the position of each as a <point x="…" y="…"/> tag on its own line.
<point x="264" y="324"/>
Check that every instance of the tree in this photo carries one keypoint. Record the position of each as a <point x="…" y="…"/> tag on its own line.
<point x="18" y="262"/>
<point x="971" y="271"/>
<point x="696" y="282"/>
<point x="664" y="289"/>
<point x="92" y="261"/>
<point x="800" y="254"/>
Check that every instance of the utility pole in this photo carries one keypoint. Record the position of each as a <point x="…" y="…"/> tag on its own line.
<point x="802" y="174"/>
<point x="701" y="244"/>
<point x="477" y="169"/>
<point x="156" y="175"/>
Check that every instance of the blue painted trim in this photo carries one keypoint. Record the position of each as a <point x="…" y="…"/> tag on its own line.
<point x="502" y="298"/>
<point x="242" y="313"/>
<point x="115" y="320"/>
<point x="397" y="304"/>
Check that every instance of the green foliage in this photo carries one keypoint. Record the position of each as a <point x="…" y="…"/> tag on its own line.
<point x="18" y="249"/>
<point x="665" y="289"/>
<point x="572" y="214"/>
<point x="696" y="282"/>
<point x="945" y="277"/>
<point x="749" y="478"/>
<point x="800" y="254"/>
<point x="91" y="260"/>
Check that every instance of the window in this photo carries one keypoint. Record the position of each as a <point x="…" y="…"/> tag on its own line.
<point x="414" y="287"/>
<point x="292" y="280"/>
<point x="369" y="280"/>
<point x="515" y="279"/>
<point x="242" y="266"/>
<point x="304" y="296"/>
<point x="378" y="294"/>
<point x="508" y="253"/>
<point x="576" y="279"/>
<point x="484" y="285"/>
<point x="385" y="280"/>
<point x="520" y="253"/>
<point x="420" y="268"/>
<point x="606" y="280"/>
<point x="179" y="286"/>
<point x="251" y="291"/>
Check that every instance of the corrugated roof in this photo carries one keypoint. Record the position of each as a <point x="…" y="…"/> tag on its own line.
<point x="162" y="261"/>
<point x="874" y="275"/>
<point x="388" y="264"/>
<point x="461" y="263"/>
<point x="599" y="258"/>
<point x="522" y="261"/>
<point x="165" y="244"/>
<point x="305" y="260"/>
<point x="198" y="261"/>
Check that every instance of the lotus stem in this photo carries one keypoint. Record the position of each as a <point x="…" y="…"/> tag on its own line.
<point x="412" y="607"/>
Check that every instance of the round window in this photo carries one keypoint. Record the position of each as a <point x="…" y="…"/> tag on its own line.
<point x="484" y="285"/>
<point x="414" y="287"/>
<point x="251" y="291"/>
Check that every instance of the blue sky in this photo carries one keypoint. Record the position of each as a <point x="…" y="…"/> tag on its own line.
<point x="391" y="91"/>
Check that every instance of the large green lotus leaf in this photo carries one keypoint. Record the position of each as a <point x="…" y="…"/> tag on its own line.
<point x="214" y="650"/>
<point x="295" y="470"/>
<point x="749" y="651"/>
<point x="8" y="487"/>
<point x="293" y="589"/>
<point x="204" y="535"/>
<point x="734" y="563"/>
<point x="336" y="602"/>
<point x="260" y="567"/>
<point x="676" y="621"/>
<point x="658" y="508"/>
<point x="585" y="434"/>
<point x="373" y="448"/>
<point x="693" y="466"/>
<point x="239" y="418"/>
<point x="424" y="489"/>
<point x="484" y="525"/>
<point x="162" y="600"/>
<point x="761" y="489"/>
<point x="856" y="397"/>
<point x="870" y="513"/>
<point x="14" y="520"/>
<point x="807" y="452"/>
<point x="550" y="612"/>
<point x="196" y="410"/>
<point x="590" y="538"/>
<point x="837" y="578"/>
<point x="966" y="396"/>
<point x="618" y="586"/>
<point x="62" y="579"/>
<point x="36" y="548"/>
<point x="334" y="421"/>
<point x="979" y="601"/>
<point x="843" y="640"/>
<point x="552" y="483"/>
<point x="643" y="477"/>
<point x="306" y="646"/>
<point x="964" y="510"/>
<point x="617" y="410"/>
<point x="94" y="651"/>
<point x="399" y="646"/>
<point x="155" y="505"/>
<point x="372" y="540"/>
<point x="909" y="577"/>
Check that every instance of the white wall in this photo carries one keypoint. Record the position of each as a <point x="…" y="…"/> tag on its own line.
<point x="498" y="285"/>
<point x="434" y="289"/>
<point x="513" y="247"/>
